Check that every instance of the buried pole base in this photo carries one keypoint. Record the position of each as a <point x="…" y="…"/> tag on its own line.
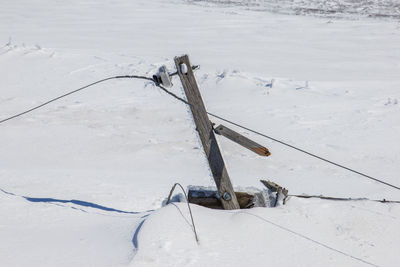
<point x="211" y="199"/>
<point x="271" y="196"/>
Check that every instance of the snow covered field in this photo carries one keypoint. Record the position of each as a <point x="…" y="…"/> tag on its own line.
<point x="82" y="180"/>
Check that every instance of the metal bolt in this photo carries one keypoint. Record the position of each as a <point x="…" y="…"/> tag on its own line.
<point x="226" y="196"/>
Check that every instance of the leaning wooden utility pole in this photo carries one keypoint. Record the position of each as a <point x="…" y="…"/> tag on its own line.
<point x="206" y="133"/>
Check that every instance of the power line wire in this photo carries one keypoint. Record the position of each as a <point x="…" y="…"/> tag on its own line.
<point x="309" y="239"/>
<point x="284" y="143"/>
<point x="209" y="113"/>
<point x="304" y="151"/>
<point x="72" y="92"/>
<point x="344" y="198"/>
<point x="187" y="201"/>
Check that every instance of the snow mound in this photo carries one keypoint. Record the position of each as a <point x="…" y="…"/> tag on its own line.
<point x="325" y="235"/>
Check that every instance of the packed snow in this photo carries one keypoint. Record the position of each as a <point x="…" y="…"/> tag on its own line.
<point x="83" y="181"/>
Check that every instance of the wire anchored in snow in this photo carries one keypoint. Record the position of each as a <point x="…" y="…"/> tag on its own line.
<point x="187" y="201"/>
<point x="311" y="240"/>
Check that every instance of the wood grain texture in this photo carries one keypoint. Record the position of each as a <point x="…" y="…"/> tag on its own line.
<point x="206" y="133"/>
<point x="242" y="140"/>
<point x="213" y="201"/>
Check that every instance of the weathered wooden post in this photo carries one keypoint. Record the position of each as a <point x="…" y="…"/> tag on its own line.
<point x="206" y="133"/>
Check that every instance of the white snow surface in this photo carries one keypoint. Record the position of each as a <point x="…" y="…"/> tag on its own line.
<point x="324" y="8"/>
<point x="82" y="180"/>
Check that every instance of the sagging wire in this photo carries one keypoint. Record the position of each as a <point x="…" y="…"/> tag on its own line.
<point x="158" y="81"/>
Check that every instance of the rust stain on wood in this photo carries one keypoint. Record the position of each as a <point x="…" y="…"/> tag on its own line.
<point x="262" y="151"/>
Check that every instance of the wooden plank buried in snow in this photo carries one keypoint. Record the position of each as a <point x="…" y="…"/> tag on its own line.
<point x="206" y="133"/>
<point x="242" y="140"/>
<point x="211" y="199"/>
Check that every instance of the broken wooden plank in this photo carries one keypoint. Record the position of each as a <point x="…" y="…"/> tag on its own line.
<point x="271" y="185"/>
<point x="211" y="199"/>
<point x="206" y="133"/>
<point x="281" y="192"/>
<point x="242" y="140"/>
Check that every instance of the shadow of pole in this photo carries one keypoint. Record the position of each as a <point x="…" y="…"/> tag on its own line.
<point x="72" y="201"/>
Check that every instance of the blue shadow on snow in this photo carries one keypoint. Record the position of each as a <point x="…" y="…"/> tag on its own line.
<point x="73" y="201"/>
